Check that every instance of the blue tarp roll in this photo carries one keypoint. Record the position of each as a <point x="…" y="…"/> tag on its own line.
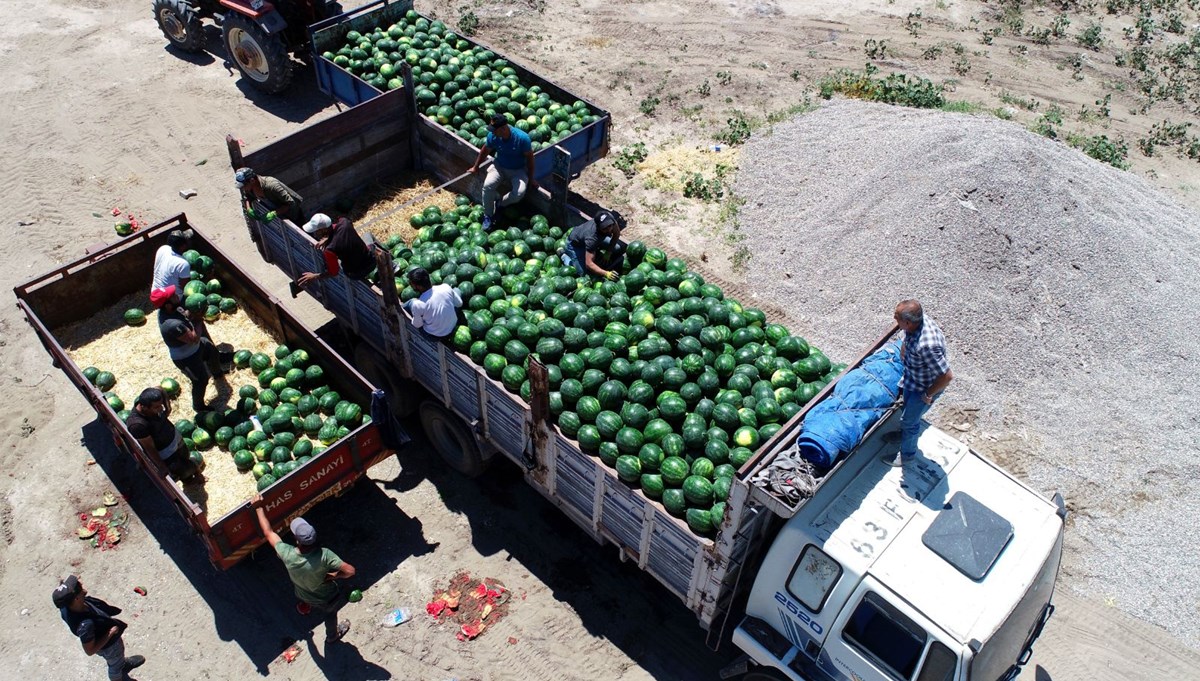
<point x="859" y="399"/>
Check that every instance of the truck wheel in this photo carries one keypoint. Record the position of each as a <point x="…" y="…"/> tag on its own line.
<point x="763" y="674"/>
<point x="261" y="58"/>
<point x="452" y="439"/>
<point x="180" y="24"/>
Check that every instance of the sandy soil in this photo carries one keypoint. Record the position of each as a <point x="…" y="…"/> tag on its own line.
<point x="99" y="114"/>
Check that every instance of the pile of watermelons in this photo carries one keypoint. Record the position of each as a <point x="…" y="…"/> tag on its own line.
<point x="205" y="297"/>
<point x="459" y="85"/>
<point x="658" y="373"/>
<point x="294" y="408"/>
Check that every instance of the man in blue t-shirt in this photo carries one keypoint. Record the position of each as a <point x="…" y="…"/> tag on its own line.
<point x="514" y="164"/>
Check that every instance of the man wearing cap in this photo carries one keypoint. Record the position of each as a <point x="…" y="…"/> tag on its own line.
<point x="594" y="247"/>
<point x="149" y="425"/>
<point x="435" y="309"/>
<point x="170" y="269"/>
<point x="193" y="353"/>
<point x="95" y="623"/>
<point x="514" y="164"/>
<point x="312" y="568"/>
<point x="277" y="195"/>
<point x="338" y="243"/>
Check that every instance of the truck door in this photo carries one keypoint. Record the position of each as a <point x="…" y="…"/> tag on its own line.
<point x="879" y="638"/>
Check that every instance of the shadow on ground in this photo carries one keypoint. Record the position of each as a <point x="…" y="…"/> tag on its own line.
<point x="613" y="598"/>
<point x="253" y="603"/>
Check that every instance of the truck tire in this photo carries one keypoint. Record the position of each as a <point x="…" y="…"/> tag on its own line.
<point x="180" y="23"/>
<point x="452" y="439"/>
<point x="404" y="396"/>
<point x="262" y="59"/>
<point x="763" y="674"/>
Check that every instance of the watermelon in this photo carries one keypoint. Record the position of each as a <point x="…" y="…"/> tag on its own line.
<point x="629" y="468"/>
<point x="265" y="481"/>
<point x="652" y="485"/>
<point x="135" y="317"/>
<point x="243" y="459"/>
<point x="629" y="440"/>
<point x="674" y="501"/>
<point x="698" y="490"/>
<point x="170" y="387"/>
<point x="699" y="520"/>
<point x="721" y="486"/>
<point x="703" y="467"/>
<point x="105" y="381"/>
<point x="674" y="470"/>
<point x="588" y="438"/>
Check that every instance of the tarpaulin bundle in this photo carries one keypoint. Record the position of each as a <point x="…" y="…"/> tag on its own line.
<point x="859" y="399"/>
<point x="393" y="434"/>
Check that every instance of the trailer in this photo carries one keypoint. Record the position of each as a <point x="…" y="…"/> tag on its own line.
<point x="733" y="580"/>
<point x="584" y="146"/>
<point x="76" y="290"/>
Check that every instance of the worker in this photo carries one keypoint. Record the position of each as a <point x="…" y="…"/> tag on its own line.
<point x="193" y="353"/>
<point x="313" y="569"/>
<point x="926" y="373"/>
<point x="150" y="425"/>
<point x="594" y="247"/>
<point x="435" y="309"/>
<point x="96" y="625"/>
<point x="342" y="248"/>
<point x="170" y="268"/>
<point x="513" y="165"/>
<point x="277" y="196"/>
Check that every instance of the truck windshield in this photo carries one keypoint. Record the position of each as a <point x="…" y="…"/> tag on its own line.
<point x="998" y="655"/>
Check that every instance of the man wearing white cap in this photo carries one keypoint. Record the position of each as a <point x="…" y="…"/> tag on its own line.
<point x="343" y="249"/>
<point x="277" y="195"/>
<point x="312" y="568"/>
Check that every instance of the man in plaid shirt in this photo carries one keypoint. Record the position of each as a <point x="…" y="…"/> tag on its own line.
<point x="926" y="373"/>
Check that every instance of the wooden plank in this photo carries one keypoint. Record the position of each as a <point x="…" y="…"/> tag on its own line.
<point x="298" y="145"/>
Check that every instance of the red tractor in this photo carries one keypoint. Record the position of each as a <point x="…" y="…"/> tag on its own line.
<point x="259" y="36"/>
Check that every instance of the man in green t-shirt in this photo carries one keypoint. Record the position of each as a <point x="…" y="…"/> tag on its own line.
<point x="313" y="570"/>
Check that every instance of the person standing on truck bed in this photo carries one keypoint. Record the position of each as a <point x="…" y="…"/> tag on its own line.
<point x="338" y="243"/>
<point x="514" y="164"/>
<point x="595" y="247"/>
<point x="278" y="196"/>
<point x="170" y="269"/>
<point x="313" y="569"/>
<point x="149" y="424"/>
<point x="435" y="309"/>
<point x="193" y="354"/>
<point x="96" y="625"/>
<point x="926" y="373"/>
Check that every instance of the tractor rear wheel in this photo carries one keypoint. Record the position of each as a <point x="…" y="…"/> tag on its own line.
<point x="180" y="23"/>
<point x="261" y="58"/>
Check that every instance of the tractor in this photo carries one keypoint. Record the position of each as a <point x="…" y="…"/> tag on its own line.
<point x="259" y="36"/>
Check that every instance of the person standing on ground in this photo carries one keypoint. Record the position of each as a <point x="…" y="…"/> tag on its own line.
<point x="95" y="623"/>
<point x="170" y="269"/>
<point x="338" y="242"/>
<point x="514" y="164"/>
<point x="193" y="354"/>
<point x="595" y="247"/>
<point x="278" y="196"/>
<point x="435" y="309"/>
<point x="926" y="373"/>
<point x="149" y="424"/>
<point x="313" y="569"/>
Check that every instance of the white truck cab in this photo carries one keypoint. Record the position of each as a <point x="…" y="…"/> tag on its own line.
<point x="940" y="573"/>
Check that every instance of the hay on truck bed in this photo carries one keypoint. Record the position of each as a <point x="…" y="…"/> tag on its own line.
<point x="374" y="206"/>
<point x="138" y="358"/>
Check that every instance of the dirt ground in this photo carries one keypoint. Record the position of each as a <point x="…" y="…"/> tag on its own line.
<point x="99" y="115"/>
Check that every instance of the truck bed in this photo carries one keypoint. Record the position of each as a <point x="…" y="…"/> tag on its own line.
<point x="75" y="291"/>
<point x="585" y="146"/>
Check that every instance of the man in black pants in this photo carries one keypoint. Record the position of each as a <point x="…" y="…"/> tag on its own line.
<point x="95" y="623"/>
<point x="148" y="423"/>
<point x="194" y="354"/>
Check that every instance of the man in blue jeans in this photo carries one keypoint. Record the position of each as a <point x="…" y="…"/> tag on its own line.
<point x="514" y="165"/>
<point x="595" y="247"/>
<point x="926" y="374"/>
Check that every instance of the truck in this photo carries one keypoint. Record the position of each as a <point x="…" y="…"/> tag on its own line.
<point x="861" y="580"/>
<point x="76" y="290"/>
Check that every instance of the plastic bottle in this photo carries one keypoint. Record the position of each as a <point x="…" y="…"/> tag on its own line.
<point x="396" y="617"/>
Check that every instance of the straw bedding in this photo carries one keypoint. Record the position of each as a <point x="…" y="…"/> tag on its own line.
<point x="373" y="211"/>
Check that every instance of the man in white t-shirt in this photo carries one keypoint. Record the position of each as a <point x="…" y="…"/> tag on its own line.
<point x="435" y="309"/>
<point x="170" y="269"/>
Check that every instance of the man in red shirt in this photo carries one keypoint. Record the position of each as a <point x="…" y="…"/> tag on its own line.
<point x="343" y="250"/>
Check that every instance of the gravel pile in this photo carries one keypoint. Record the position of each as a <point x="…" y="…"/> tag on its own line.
<point x="1068" y="292"/>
